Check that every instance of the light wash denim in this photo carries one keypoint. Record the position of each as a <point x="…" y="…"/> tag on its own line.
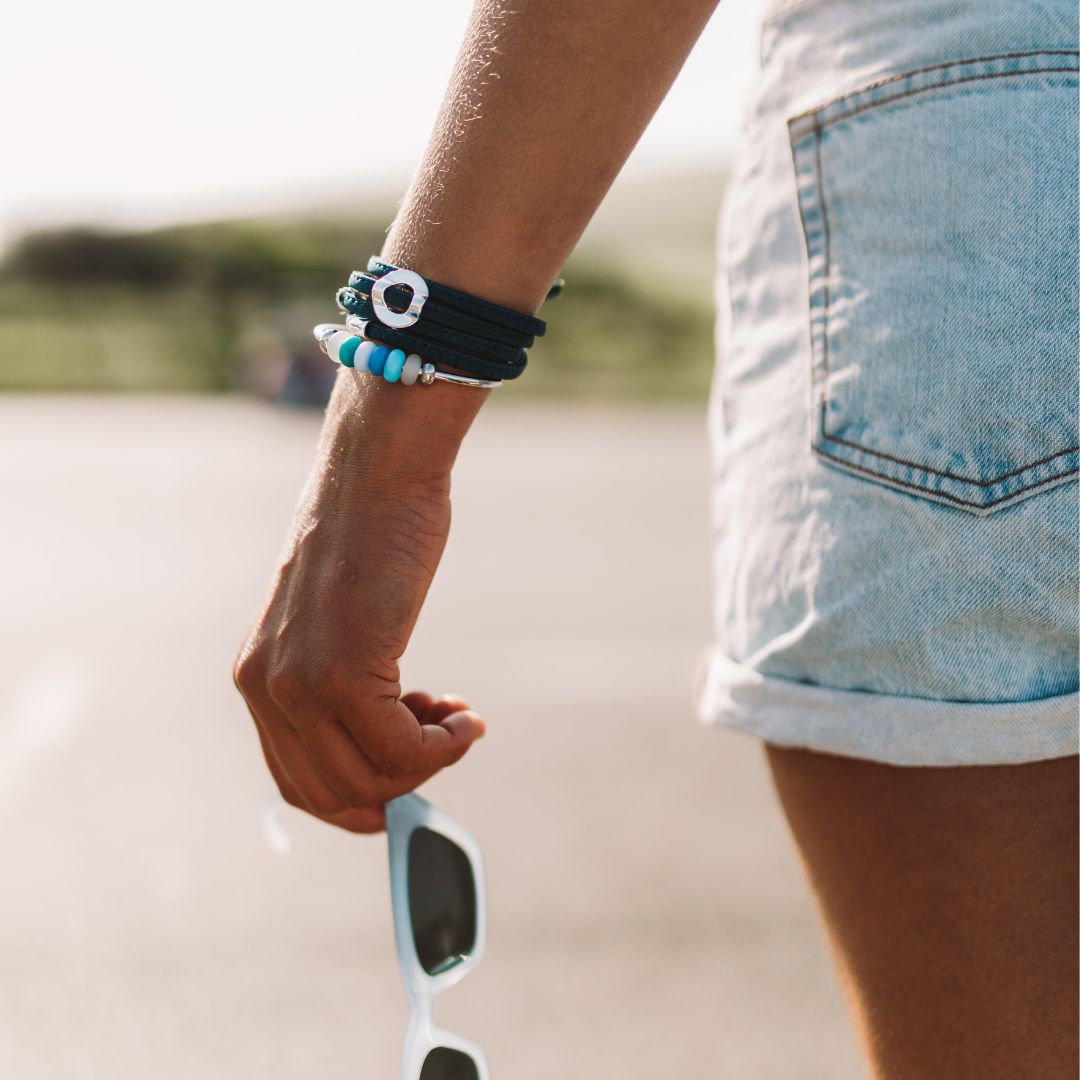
<point x="894" y="411"/>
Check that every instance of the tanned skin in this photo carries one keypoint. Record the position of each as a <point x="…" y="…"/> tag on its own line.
<point x="949" y="895"/>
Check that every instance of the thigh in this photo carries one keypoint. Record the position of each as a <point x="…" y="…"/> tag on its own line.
<point x="949" y="896"/>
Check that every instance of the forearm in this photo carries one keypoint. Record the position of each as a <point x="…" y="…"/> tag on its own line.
<point x="545" y="103"/>
<point x="544" y="106"/>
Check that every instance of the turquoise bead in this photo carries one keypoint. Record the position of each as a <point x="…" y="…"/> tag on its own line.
<point x="348" y="351"/>
<point x="377" y="359"/>
<point x="394" y="363"/>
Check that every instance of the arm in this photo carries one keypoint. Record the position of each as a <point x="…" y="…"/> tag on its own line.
<point x="545" y="103"/>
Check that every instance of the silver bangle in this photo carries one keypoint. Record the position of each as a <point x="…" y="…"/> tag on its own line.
<point x="429" y="373"/>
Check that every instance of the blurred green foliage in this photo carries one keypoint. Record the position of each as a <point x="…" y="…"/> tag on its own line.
<point x="185" y="308"/>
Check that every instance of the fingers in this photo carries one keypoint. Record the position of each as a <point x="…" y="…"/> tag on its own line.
<point x="398" y="744"/>
<point x="319" y="753"/>
<point x="374" y="752"/>
<point x="418" y="702"/>
<point x="445" y="706"/>
<point x="309" y="793"/>
<point x="324" y="767"/>
<point x="431" y="710"/>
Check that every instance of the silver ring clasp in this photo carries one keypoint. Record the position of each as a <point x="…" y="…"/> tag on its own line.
<point x="386" y="314"/>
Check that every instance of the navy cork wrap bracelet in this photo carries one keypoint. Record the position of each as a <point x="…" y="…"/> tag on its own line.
<point x="359" y="303"/>
<point x="398" y="297"/>
<point x="471" y="305"/>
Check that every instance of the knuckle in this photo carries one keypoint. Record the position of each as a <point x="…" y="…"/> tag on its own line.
<point x="317" y="799"/>
<point x="352" y="793"/>
<point x="249" y="674"/>
<point x="292" y="798"/>
<point x="329" y="683"/>
<point x="393" y="768"/>
<point x="294" y="680"/>
<point x="302" y="680"/>
<point x="326" y="804"/>
<point x="283" y="687"/>
<point x="361" y="797"/>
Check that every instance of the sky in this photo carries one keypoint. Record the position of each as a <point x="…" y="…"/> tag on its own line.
<point x="129" y="113"/>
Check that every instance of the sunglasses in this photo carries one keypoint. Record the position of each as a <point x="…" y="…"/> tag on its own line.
<point x="440" y="924"/>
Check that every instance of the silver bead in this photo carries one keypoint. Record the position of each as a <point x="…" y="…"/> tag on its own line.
<point x="427" y="373"/>
<point x="357" y="325"/>
<point x="324" y="332"/>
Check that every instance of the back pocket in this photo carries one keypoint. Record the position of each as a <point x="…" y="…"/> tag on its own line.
<point x="939" y="210"/>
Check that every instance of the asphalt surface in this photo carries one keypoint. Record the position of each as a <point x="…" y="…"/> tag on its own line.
<point x="648" y="915"/>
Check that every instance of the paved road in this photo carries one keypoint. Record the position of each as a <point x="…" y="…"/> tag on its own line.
<point x="648" y="916"/>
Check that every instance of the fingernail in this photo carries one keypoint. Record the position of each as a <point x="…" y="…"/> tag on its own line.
<point x="477" y="727"/>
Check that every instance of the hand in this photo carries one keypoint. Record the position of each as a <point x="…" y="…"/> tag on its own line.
<point x="319" y="668"/>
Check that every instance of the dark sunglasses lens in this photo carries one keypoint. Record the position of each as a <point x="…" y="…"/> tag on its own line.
<point x="442" y="904"/>
<point x="446" y="1064"/>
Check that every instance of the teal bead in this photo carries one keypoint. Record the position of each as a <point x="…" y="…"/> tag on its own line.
<point x="394" y="363"/>
<point x="348" y="351"/>
<point x="377" y="359"/>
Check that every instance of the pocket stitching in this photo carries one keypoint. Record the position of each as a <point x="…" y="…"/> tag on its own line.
<point x="826" y="298"/>
<point x="886" y="479"/>
<point x="940" y="86"/>
<point x="939" y="67"/>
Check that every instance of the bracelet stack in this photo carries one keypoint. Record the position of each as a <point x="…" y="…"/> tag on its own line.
<point x="410" y="329"/>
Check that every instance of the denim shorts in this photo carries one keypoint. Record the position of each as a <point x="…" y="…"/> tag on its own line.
<point x="894" y="411"/>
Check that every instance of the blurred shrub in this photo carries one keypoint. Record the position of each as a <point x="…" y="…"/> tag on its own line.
<point x="613" y="336"/>
<point x="172" y="309"/>
<point x="75" y="256"/>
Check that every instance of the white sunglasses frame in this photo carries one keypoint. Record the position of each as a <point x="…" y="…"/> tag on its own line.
<point x="404" y="815"/>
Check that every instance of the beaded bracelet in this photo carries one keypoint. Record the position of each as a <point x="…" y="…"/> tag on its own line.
<point x="351" y="350"/>
<point x="384" y="334"/>
<point x="469" y="363"/>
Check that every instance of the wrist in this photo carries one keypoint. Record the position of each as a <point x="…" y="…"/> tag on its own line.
<point x="400" y="434"/>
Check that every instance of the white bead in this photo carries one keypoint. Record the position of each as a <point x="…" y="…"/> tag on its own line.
<point x="411" y="371"/>
<point x="360" y="357"/>
<point x="335" y="343"/>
